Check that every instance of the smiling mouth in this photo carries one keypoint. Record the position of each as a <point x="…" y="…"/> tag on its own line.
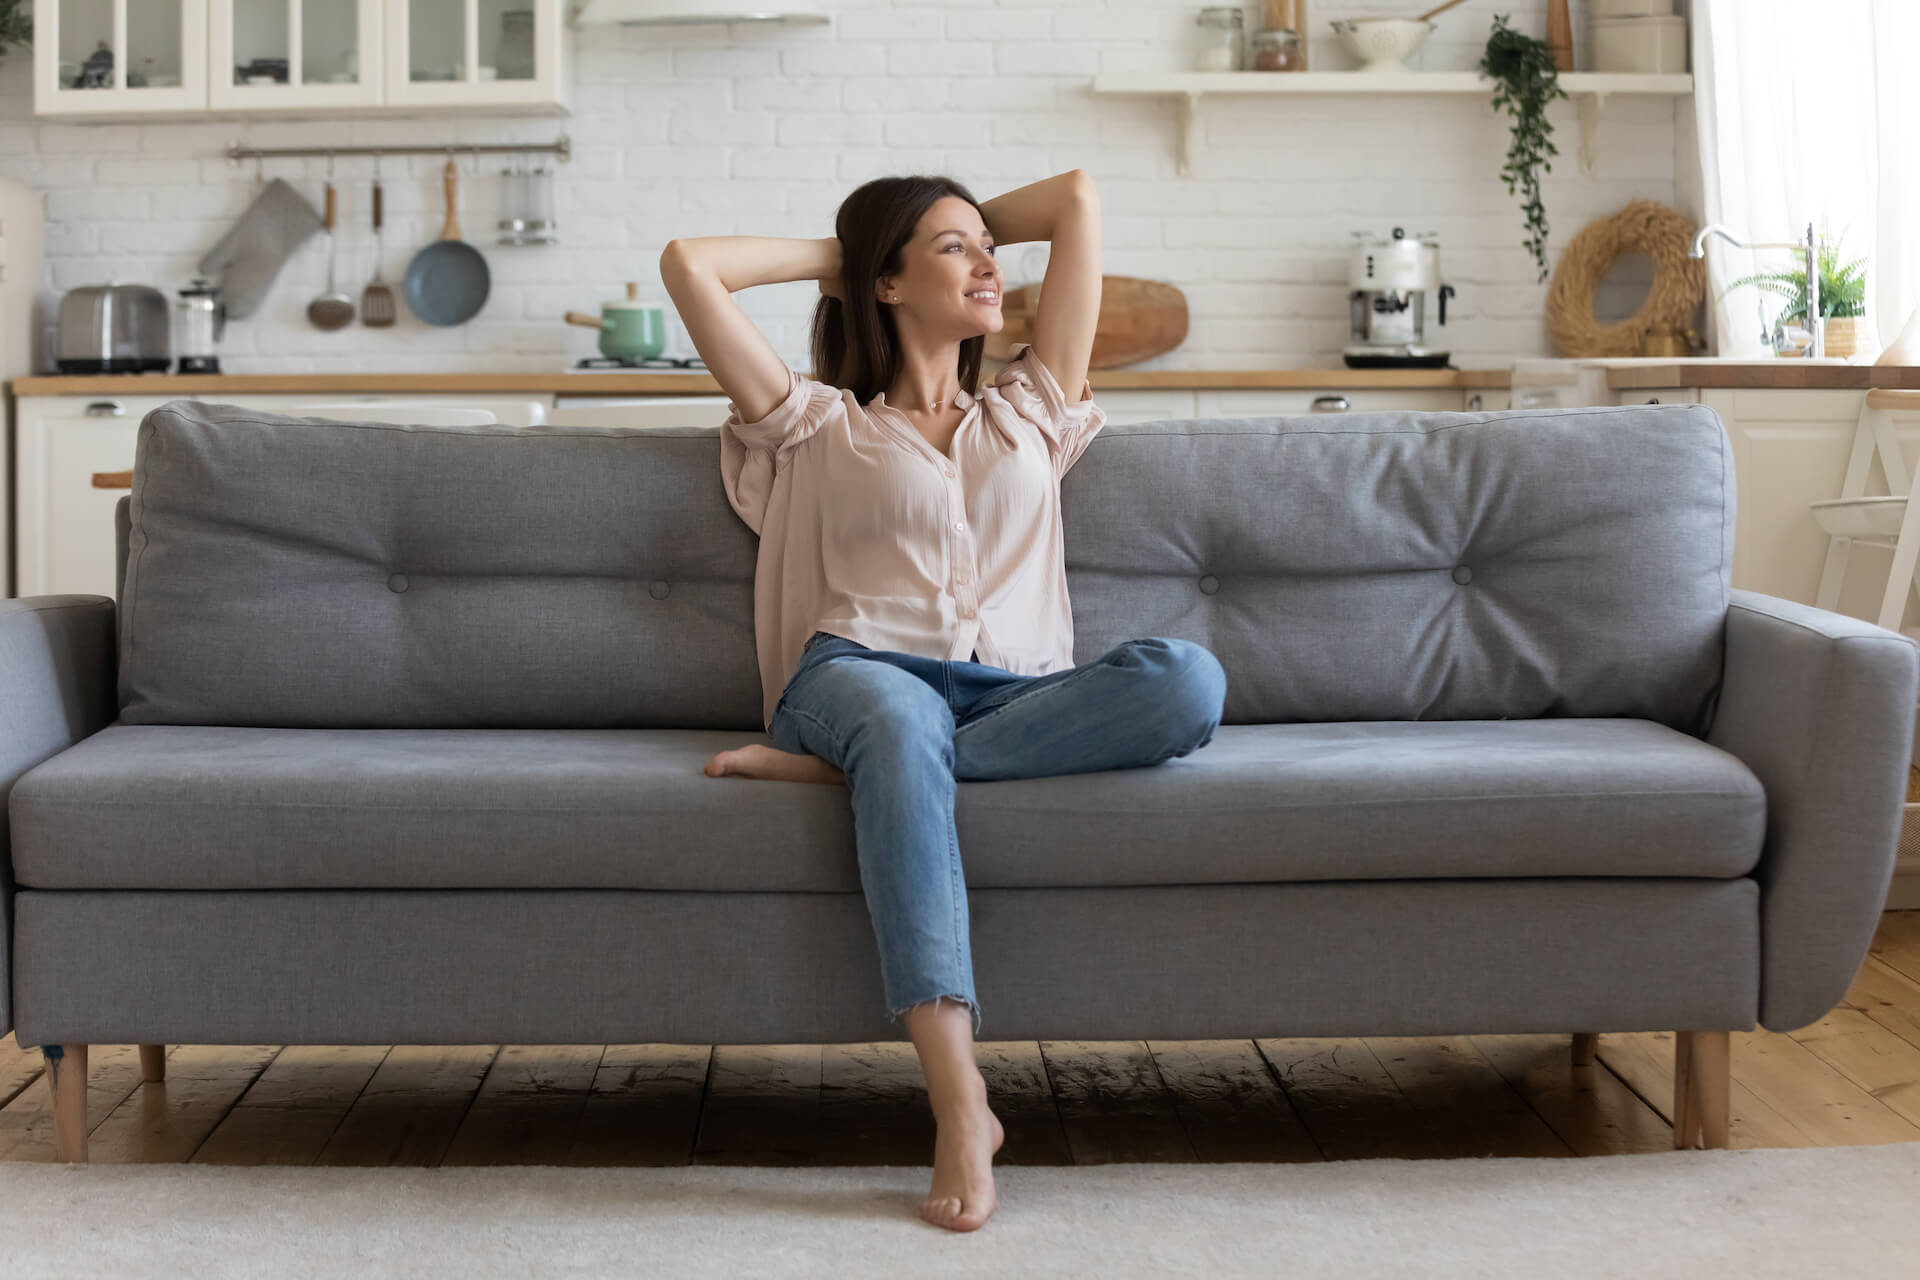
<point x="991" y="301"/>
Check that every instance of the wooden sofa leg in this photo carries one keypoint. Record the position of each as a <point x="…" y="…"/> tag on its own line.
<point x="1702" y="1088"/>
<point x="153" y="1063"/>
<point x="67" y="1077"/>
<point x="1584" y="1044"/>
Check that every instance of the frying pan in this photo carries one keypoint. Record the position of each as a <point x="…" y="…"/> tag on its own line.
<point x="447" y="282"/>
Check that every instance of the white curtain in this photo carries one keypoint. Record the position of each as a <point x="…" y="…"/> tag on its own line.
<point x="1809" y="113"/>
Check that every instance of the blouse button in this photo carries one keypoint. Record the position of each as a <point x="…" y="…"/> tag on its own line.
<point x="961" y="525"/>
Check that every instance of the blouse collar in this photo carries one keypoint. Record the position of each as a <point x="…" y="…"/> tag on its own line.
<point x="961" y="400"/>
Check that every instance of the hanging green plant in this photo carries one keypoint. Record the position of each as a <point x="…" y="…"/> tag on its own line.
<point x="15" y="27"/>
<point x="1525" y="81"/>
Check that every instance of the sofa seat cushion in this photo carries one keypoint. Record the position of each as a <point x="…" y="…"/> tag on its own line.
<point x="212" y="807"/>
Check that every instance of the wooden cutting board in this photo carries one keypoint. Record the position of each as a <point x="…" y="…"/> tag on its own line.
<point x="1139" y="319"/>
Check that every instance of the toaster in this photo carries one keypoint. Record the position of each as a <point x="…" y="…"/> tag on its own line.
<point x="114" y="328"/>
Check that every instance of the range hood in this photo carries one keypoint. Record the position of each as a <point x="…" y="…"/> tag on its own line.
<point x="647" y="13"/>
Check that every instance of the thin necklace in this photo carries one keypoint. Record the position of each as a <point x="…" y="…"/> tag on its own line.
<point x="935" y="405"/>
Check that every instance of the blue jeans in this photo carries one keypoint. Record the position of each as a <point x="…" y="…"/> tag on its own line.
<point x="904" y="728"/>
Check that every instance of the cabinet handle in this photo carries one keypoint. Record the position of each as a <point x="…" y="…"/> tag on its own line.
<point x="1330" y="404"/>
<point x="105" y="409"/>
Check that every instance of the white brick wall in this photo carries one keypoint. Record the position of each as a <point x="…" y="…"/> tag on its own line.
<point x="749" y="130"/>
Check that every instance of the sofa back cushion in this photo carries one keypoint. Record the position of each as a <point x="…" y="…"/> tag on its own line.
<point x="1397" y="566"/>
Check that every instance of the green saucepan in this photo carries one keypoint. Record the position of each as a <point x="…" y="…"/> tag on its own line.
<point x="629" y="329"/>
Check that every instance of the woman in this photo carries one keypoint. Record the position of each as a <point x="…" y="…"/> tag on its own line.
<point x="910" y="602"/>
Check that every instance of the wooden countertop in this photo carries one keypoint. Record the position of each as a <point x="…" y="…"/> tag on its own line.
<point x="1621" y="375"/>
<point x="629" y="384"/>
<point x="1765" y="374"/>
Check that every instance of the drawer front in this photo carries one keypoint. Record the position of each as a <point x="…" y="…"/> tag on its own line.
<point x="1658" y="395"/>
<point x="1294" y="402"/>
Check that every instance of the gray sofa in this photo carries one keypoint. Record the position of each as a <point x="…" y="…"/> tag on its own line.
<point x="395" y="735"/>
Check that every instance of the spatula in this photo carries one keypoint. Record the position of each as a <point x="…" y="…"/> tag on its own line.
<point x="376" y="300"/>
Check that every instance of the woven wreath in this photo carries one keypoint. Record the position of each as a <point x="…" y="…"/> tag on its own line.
<point x="1679" y="282"/>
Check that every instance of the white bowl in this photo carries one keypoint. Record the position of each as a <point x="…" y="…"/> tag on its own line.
<point x="1383" y="44"/>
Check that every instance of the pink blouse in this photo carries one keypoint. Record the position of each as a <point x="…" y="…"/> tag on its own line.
<point x="869" y="532"/>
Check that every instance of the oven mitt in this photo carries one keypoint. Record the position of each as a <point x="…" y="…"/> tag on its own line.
<point x="250" y="255"/>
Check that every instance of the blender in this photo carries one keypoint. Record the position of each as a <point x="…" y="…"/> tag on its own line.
<point x="200" y="317"/>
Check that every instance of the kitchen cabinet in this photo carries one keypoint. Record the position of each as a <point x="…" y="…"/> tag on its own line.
<point x="1291" y="401"/>
<point x="95" y="58"/>
<point x="475" y="53"/>
<point x="280" y="54"/>
<point x="246" y="59"/>
<point x="1265" y="402"/>
<point x="1121" y="404"/>
<point x="65" y="531"/>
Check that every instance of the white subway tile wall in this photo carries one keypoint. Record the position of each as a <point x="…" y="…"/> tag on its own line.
<point x="750" y="129"/>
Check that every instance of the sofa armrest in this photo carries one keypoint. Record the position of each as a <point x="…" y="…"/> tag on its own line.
<point x="59" y="683"/>
<point x="1820" y="706"/>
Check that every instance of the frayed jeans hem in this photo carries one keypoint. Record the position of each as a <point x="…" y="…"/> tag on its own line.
<point x="895" y="1014"/>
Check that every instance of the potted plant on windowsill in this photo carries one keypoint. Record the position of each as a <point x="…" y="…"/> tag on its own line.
<point x="1843" y="296"/>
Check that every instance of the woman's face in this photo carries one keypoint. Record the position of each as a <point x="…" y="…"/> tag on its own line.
<point x="949" y="261"/>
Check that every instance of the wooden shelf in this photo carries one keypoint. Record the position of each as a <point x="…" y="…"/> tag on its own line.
<point x="1589" y="89"/>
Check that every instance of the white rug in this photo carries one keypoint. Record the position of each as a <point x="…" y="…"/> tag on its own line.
<point x="1812" y="1214"/>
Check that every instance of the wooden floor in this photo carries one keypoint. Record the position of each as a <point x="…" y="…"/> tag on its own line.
<point x="1851" y="1078"/>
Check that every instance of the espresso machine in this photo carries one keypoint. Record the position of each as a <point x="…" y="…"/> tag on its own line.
<point x="1391" y="281"/>
<point x="199" y="318"/>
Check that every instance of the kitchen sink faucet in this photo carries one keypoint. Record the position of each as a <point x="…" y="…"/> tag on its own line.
<point x="1817" y="349"/>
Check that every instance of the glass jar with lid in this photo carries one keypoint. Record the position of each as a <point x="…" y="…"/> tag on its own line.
<point x="1220" y="35"/>
<point x="1275" y="49"/>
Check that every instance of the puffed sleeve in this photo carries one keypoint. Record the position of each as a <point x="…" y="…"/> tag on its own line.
<point x="1030" y="389"/>
<point x="752" y="453"/>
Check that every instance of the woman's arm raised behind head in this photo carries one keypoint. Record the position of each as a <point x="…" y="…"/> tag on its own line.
<point x="701" y="276"/>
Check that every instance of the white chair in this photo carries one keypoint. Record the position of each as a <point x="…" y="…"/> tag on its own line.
<point x="1890" y="521"/>
<point x="399" y="412"/>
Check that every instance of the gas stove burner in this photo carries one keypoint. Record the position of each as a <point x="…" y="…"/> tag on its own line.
<point x="641" y="362"/>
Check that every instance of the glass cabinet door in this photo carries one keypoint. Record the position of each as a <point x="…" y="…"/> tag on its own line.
<point x="116" y="56"/>
<point x="295" y="53"/>
<point x="475" y="51"/>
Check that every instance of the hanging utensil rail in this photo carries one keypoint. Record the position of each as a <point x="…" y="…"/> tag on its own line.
<point x="562" y="148"/>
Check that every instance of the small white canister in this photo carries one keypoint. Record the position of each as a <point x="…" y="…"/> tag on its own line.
<point x="1650" y="46"/>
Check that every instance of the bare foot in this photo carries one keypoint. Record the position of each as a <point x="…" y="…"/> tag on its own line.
<point x="771" y="762"/>
<point x="962" y="1197"/>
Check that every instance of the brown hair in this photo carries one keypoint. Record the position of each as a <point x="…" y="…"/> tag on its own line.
<point x="855" y="343"/>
